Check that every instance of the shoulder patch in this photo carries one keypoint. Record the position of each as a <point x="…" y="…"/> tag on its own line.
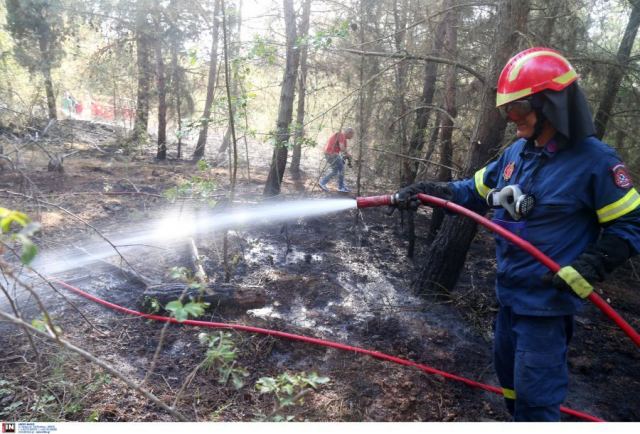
<point x="508" y="170"/>
<point x="621" y="176"/>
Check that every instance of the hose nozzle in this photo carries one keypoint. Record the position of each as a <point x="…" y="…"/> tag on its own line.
<point x="372" y="201"/>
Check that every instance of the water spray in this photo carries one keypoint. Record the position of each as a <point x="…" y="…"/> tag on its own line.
<point x="385" y="200"/>
<point x="176" y="226"/>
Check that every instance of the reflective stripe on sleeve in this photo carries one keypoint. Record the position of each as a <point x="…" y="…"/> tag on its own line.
<point x="625" y="205"/>
<point x="575" y="280"/>
<point x="508" y="393"/>
<point x="481" y="188"/>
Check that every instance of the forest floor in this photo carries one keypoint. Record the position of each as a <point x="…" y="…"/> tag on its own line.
<point x="322" y="278"/>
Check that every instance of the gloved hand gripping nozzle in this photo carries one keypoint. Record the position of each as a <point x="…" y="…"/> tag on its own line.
<point x="407" y="197"/>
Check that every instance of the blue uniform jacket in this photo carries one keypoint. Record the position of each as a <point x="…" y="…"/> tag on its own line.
<point x="579" y="191"/>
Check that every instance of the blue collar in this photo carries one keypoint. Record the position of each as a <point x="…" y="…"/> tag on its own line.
<point x="549" y="150"/>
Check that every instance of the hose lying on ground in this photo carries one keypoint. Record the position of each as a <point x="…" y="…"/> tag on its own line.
<point x="315" y="341"/>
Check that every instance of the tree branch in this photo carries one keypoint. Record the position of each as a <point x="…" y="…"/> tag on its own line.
<point x="407" y="56"/>
<point x="113" y="371"/>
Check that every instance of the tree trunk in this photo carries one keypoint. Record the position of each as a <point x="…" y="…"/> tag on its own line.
<point x="285" y="109"/>
<point x="233" y="160"/>
<point x="573" y="29"/>
<point x="446" y="130"/>
<point x="302" y="90"/>
<point x="175" y="38"/>
<point x="370" y="67"/>
<point x="211" y="85"/>
<point x="449" y="249"/>
<point x="46" y="73"/>
<point x="615" y="75"/>
<point x="422" y="113"/>
<point x="371" y="11"/>
<point x="144" y="73"/>
<point x="433" y="139"/>
<point x="51" y="96"/>
<point x="360" y="113"/>
<point x="162" y="89"/>
<point x="235" y="20"/>
<point x="401" y="71"/>
<point x="176" y="93"/>
<point x="552" y="11"/>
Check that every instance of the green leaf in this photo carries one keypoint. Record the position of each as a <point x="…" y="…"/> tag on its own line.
<point x="195" y="285"/>
<point x="237" y="377"/>
<point x="179" y="273"/>
<point x="177" y="310"/>
<point x="171" y="194"/>
<point x="8" y="216"/>
<point x="39" y="324"/>
<point x="193" y="57"/>
<point x="202" y="165"/>
<point x="153" y="304"/>
<point x="5" y="224"/>
<point x="29" y="251"/>
<point x="224" y="375"/>
<point x="42" y="325"/>
<point x="286" y="378"/>
<point x="313" y="380"/>
<point x="12" y="407"/>
<point x="195" y="309"/>
<point x="288" y="389"/>
<point x="6" y="388"/>
<point x="286" y="402"/>
<point x="266" y="385"/>
<point x="174" y="305"/>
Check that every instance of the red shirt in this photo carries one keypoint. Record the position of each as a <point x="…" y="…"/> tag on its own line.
<point x="333" y="144"/>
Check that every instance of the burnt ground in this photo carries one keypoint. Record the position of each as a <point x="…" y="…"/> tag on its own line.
<point x="323" y="277"/>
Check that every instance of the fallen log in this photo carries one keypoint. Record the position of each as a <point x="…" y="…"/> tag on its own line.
<point x="218" y="295"/>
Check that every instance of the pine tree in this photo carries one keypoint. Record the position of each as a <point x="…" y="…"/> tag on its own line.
<point x="38" y="29"/>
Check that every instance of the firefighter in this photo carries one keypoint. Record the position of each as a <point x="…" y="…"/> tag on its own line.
<point x="336" y="153"/>
<point x="567" y="193"/>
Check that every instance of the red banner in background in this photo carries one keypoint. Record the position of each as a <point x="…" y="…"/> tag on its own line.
<point x="107" y="112"/>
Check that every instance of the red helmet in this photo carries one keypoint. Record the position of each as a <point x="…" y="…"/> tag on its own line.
<point x="532" y="71"/>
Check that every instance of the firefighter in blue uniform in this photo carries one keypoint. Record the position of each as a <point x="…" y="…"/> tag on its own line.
<point x="567" y="193"/>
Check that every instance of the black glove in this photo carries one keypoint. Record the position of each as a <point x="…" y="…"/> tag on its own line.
<point x="406" y="198"/>
<point x="592" y="265"/>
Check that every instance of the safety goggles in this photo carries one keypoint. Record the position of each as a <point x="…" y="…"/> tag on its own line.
<point x="516" y="110"/>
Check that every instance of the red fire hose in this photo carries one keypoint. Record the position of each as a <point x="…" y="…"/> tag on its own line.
<point x="372" y="201"/>
<point x="315" y="341"/>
